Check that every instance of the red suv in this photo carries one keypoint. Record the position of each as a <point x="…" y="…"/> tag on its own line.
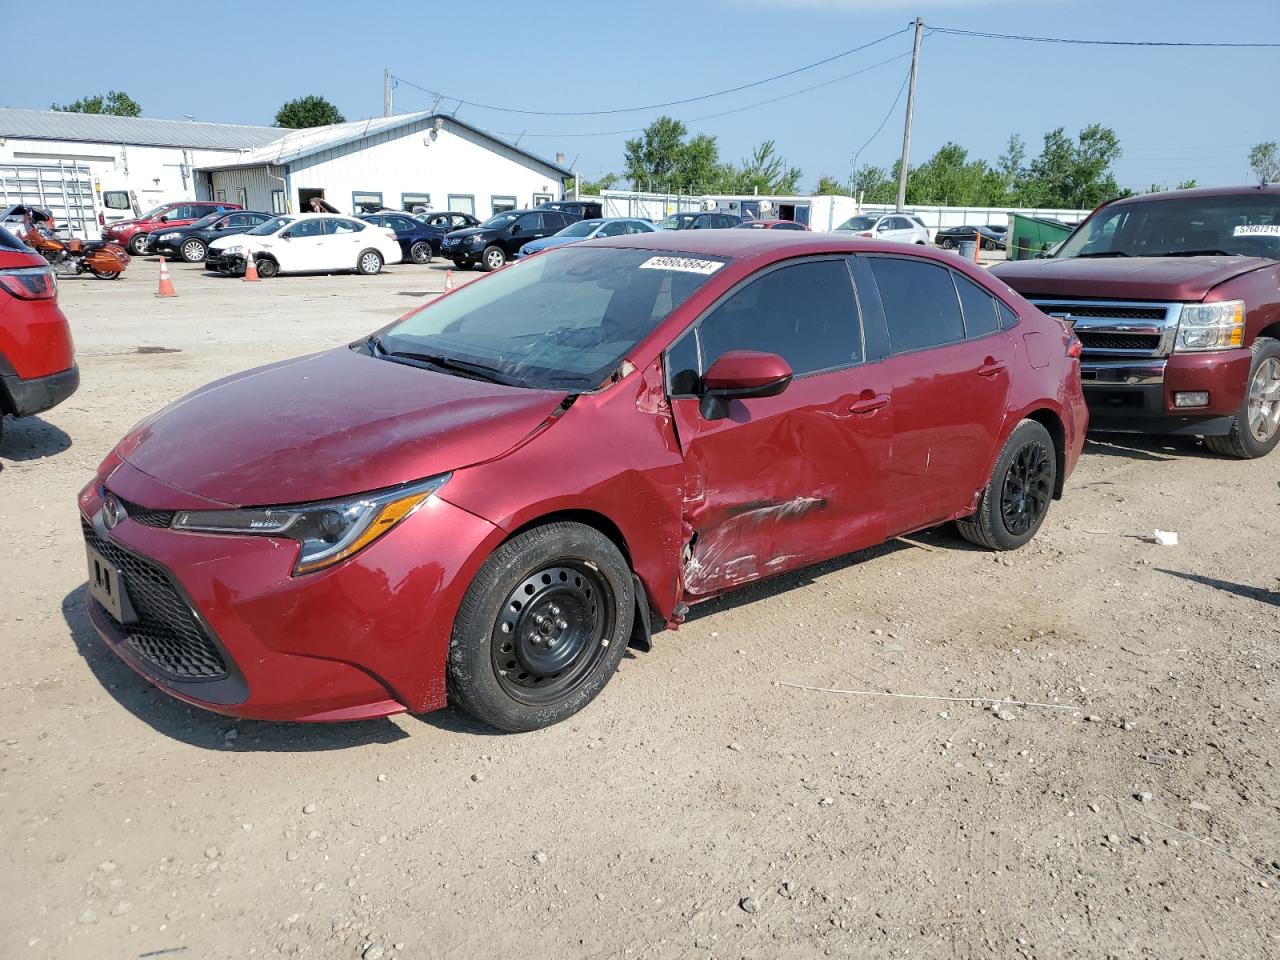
<point x="133" y="233"/>
<point x="37" y="362"/>
<point x="487" y="500"/>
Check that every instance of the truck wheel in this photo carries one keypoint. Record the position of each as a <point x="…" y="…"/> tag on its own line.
<point x="1256" y="428"/>
<point x="541" y="628"/>
<point x="1016" y="498"/>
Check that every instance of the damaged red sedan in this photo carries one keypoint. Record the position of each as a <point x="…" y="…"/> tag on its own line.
<point x="486" y="501"/>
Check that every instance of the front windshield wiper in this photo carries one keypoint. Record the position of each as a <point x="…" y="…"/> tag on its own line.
<point x="1101" y="253"/>
<point x="1207" y="252"/>
<point x="477" y="371"/>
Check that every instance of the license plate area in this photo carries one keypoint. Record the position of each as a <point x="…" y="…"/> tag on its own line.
<point x="106" y="585"/>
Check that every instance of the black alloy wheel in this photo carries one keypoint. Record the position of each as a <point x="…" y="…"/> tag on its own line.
<point x="552" y="631"/>
<point x="1028" y="487"/>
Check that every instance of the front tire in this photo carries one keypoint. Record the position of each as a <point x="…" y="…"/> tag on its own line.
<point x="105" y="274"/>
<point x="1016" y="498"/>
<point x="494" y="258"/>
<point x="946" y="243"/>
<point x="369" y="263"/>
<point x="420" y="252"/>
<point x="193" y="250"/>
<point x="266" y="268"/>
<point x="136" y="244"/>
<point x="541" y="628"/>
<point x="1256" y="428"/>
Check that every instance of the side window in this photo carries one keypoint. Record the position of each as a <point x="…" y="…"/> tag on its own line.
<point x="115" y="199"/>
<point x="338" y="225"/>
<point x="1008" y="319"/>
<point x="258" y="219"/>
<point x="682" y="365"/>
<point x="804" y="312"/>
<point x="615" y="229"/>
<point x="527" y="223"/>
<point x="920" y="303"/>
<point x="980" y="315"/>
<point x="401" y="223"/>
<point x="306" y="228"/>
<point x="237" y="220"/>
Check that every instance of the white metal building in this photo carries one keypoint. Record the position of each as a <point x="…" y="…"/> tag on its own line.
<point x="406" y="162"/>
<point x="80" y="165"/>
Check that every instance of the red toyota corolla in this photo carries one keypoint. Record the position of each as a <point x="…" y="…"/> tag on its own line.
<point x="483" y="503"/>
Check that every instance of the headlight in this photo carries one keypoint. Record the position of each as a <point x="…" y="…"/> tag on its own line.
<point x="476" y="239"/>
<point x="238" y="248"/>
<point x="1211" y="326"/>
<point x="328" y="532"/>
<point x="168" y="236"/>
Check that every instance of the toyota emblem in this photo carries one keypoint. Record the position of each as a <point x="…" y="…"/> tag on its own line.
<point x="112" y="511"/>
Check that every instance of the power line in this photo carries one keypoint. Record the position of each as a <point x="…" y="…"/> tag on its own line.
<point x="1097" y="43"/>
<point x="887" y="114"/>
<point x="653" y="106"/>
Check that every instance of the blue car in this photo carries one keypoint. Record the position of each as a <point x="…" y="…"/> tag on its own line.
<point x="588" y="230"/>
<point x="419" y="242"/>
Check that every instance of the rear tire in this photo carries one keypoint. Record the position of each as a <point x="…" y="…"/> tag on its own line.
<point x="369" y="263"/>
<point x="542" y="627"/>
<point x="946" y="243"/>
<point x="1016" y="498"/>
<point x="105" y="274"/>
<point x="420" y="252"/>
<point x="1255" y="430"/>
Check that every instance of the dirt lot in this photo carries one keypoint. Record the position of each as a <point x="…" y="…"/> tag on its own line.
<point x="703" y="807"/>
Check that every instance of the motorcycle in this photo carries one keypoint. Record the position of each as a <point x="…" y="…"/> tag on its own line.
<point x="72" y="256"/>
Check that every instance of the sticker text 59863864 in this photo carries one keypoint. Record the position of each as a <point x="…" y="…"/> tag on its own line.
<point x="682" y="264"/>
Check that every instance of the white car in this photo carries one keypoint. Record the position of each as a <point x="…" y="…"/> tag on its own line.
<point x="307" y="243"/>
<point x="887" y="226"/>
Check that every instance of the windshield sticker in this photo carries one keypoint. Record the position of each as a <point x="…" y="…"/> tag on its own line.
<point x="682" y="265"/>
<point x="1257" y="230"/>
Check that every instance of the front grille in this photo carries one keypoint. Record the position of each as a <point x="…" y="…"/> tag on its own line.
<point x="144" y="515"/>
<point x="1102" y="340"/>
<point x="166" y="633"/>
<point x="1111" y="313"/>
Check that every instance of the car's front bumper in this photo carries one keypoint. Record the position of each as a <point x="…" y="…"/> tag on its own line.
<point x="1138" y="396"/>
<point x="37" y="394"/>
<point x="221" y="262"/>
<point x="366" y="638"/>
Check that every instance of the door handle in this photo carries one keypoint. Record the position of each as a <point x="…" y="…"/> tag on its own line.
<point x="991" y="367"/>
<point x="870" y="404"/>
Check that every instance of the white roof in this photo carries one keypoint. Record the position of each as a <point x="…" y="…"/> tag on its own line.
<point x="139" y="131"/>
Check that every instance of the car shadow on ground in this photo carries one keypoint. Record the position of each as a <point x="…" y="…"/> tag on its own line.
<point x="1261" y="594"/>
<point x="199" y="728"/>
<point x="31" y="438"/>
<point x="1136" y="446"/>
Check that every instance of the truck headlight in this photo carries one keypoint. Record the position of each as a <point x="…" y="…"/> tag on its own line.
<point x="1211" y="326"/>
<point x="329" y="532"/>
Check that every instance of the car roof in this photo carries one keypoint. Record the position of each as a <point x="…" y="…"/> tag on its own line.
<point x="1271" y="190"/>
<point x="750" y="243"/>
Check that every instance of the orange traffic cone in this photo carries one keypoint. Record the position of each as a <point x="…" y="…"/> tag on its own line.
<point x="448" y="280"/>
<point x="166" y="285"/>
<point x="250" y="268"/>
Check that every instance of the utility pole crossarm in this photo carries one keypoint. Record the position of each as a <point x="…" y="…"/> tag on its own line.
<point x="906" y="132"/>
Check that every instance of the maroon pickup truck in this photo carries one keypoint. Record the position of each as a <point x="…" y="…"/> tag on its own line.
<point x="1176" y="300"/>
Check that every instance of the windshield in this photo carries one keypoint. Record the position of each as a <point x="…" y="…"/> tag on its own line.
<point x="858" y="223"/>
<point x="1239" y="226"/>
<point x="676" y="221"/>
<point x="498" y="220"/>
<point x="583" y="228"/>
<point x="562" y="322"/>
<point x="155" y="213"/>
<point x="270" y="227"/>
<point x="207" y="219"/>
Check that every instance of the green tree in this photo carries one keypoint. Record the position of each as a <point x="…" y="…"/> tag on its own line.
<point x="309" y="111"/>
<point x="762" y="172"/>
<point x="830" y="187"/>
<point x="592" y="188"/>
<point x="950" y="178"/>
<point x="662" y="160"/>
<point x="1073" y="174"/>
<point x="875" y="184"/>
<point x="1264" y="158"/>
<point x="117" y="103"/>
<point x="1010" y="165"/>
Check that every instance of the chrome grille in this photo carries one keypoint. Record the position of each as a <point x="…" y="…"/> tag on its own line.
<point x="1117" y="329"/>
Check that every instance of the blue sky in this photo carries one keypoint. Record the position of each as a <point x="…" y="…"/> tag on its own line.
<point x="1179" y="114"/>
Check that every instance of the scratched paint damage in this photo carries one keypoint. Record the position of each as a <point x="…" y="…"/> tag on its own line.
<point x="737" y="550"/>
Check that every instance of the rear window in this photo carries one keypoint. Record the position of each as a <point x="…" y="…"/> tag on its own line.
<point x="981" y="315"/>
<point x="9" y="242"/>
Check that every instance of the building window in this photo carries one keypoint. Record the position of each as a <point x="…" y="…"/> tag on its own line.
<point x="365" y="201"/>
<point x="415" y="202"/>
<point x="277" y="201"/>
<point x="462" y="203"/>
<point x="222" y="195"/>
<point x="503" y="204"/>
<point x="242" y="196"/>
<point x="541" y="198"/>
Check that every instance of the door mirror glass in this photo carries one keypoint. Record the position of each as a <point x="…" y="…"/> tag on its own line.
<point x="740" y="375"/>
<point x="287" y="235"/>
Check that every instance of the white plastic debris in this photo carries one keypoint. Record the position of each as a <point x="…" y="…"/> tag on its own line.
<point x="1165" y="538"/>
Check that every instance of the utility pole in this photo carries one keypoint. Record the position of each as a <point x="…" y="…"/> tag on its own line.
<point x="906" y="133"/>
<point x="386" y="83"/>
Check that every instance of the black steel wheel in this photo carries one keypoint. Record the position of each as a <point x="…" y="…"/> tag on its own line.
<point x="1016" y="499"/>
<point x="266" y="268"/>
<point x="542" y="627"/>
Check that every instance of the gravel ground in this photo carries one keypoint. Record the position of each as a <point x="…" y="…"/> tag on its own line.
<point x="707" y="805"/>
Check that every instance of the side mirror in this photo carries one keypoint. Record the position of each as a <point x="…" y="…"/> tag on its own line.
<point x="287" y="235"/>
<point x="741" y="375"/>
